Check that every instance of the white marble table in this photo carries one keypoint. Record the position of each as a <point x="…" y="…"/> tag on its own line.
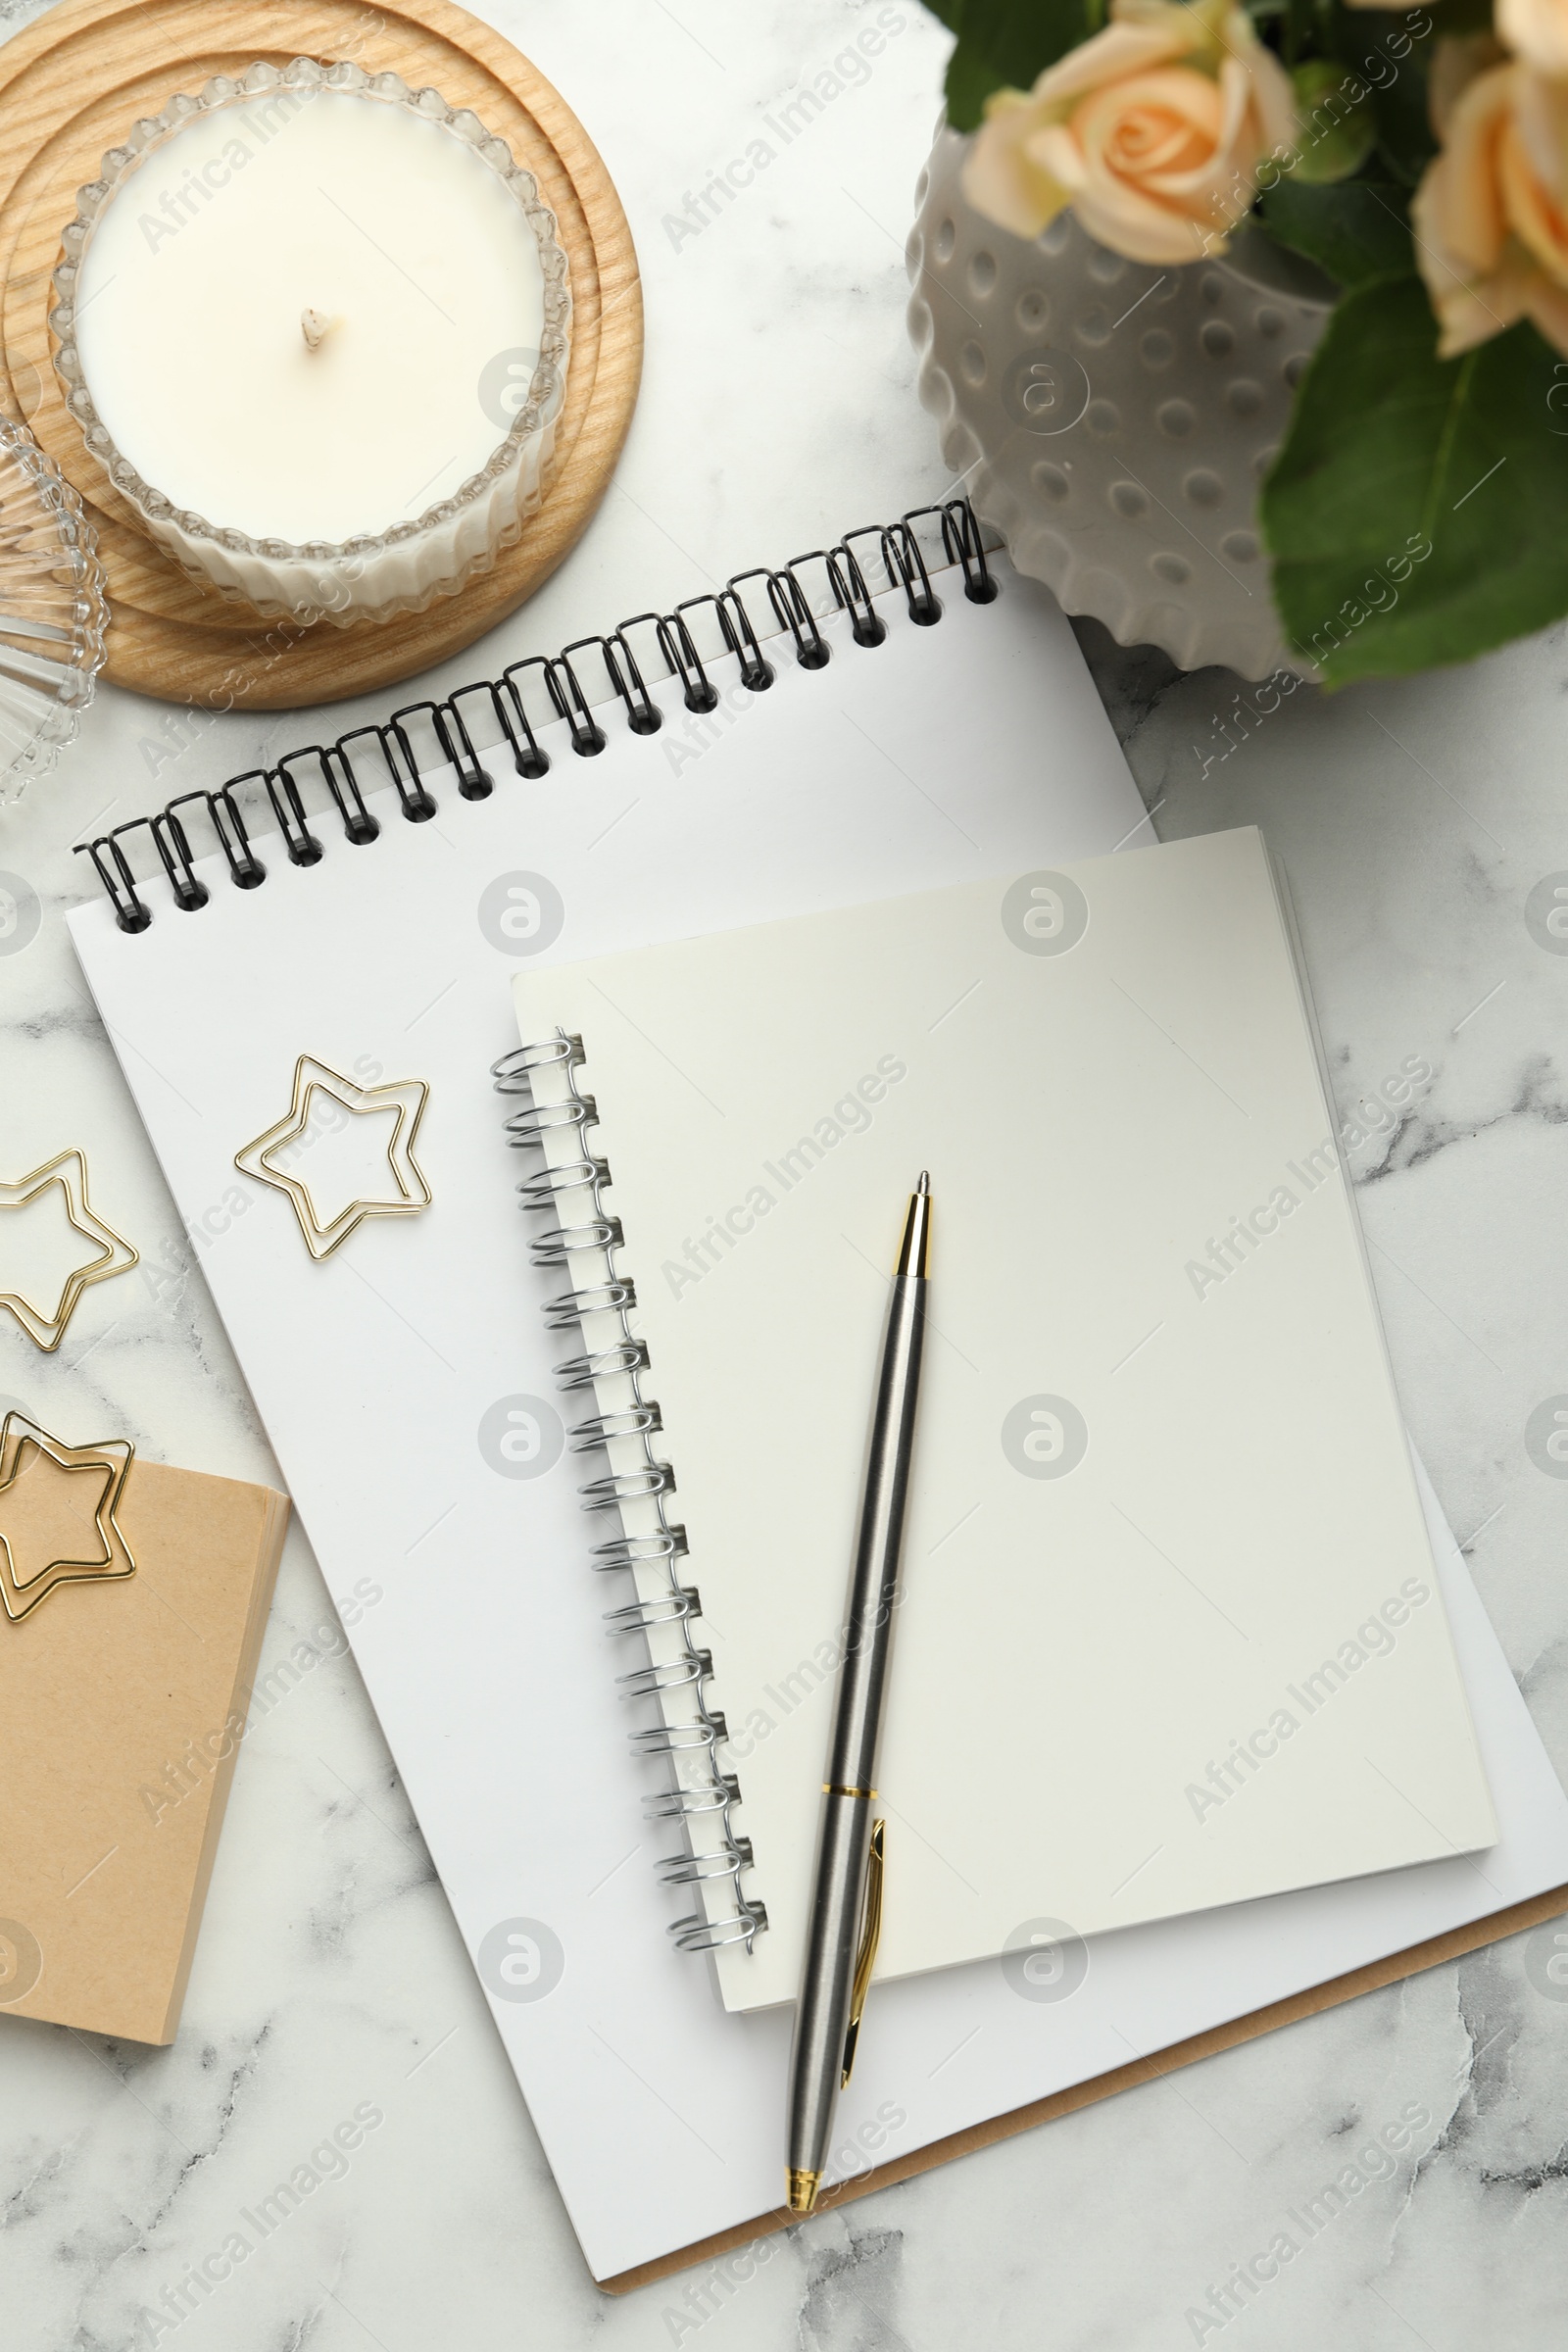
<point x="777" y="410"/>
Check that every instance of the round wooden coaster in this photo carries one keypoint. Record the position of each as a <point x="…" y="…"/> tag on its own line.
<point x="71" y="86"/>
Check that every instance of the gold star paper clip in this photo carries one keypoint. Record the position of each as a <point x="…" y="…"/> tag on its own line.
<point x="109" y="1558"/>
<point x="407" y="1097"/>
<point x="113" y="1256"/>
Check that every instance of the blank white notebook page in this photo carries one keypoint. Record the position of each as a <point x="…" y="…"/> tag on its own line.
<point x="1170" y="1636"/>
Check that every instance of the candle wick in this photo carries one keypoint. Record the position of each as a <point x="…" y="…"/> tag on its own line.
<point x="314" y="326"/>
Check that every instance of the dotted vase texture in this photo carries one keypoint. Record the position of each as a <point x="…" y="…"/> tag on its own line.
<point x="1113" y="420"/>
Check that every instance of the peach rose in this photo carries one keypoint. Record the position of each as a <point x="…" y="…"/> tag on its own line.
<point x="1491" y="214"/>
<point x="1538" y="31"/>
<point x="1152" y="130"/>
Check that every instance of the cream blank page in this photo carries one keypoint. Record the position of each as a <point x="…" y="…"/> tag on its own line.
<point x="1162" y="1500"/>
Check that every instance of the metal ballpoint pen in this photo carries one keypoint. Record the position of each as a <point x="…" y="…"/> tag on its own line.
<point x="846" y="1883"/>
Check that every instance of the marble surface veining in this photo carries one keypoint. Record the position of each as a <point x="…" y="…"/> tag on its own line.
<point x="1415" y="821"/>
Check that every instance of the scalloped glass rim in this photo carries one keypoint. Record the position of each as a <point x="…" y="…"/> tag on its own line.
<point x="59" y="714"/>
<point x="546" y="385"/>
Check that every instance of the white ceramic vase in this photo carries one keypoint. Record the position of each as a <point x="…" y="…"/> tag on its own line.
<point x="1113" y="420"/>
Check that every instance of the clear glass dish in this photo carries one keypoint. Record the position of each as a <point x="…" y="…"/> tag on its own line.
<point x="53" y="611"/>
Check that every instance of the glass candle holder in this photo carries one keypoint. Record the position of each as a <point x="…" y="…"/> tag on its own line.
<point x="315" y="328"/>
<point x="53" y="615"/>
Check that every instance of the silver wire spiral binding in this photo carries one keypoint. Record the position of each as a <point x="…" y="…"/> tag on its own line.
<point x="638" y="1482"/>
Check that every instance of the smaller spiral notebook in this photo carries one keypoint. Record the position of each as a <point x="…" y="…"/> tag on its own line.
<point x="1168" y="1636"/>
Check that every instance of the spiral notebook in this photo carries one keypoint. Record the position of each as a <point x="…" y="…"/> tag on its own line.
<point x="1168" y="1636"/>
<point x="368" y="903"/>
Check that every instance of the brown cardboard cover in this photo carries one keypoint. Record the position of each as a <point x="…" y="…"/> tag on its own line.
<point x="121" y="1704"/>
<point x="1150" y="2069"/>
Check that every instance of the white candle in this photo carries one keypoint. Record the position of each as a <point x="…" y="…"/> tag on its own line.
<point x="316" y="330"/>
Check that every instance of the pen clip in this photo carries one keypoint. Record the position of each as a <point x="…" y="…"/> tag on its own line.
<point x="870" y="1935"/>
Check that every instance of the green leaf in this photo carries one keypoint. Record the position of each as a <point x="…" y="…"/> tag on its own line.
<point x="1003" y="44"/>
<point x="1415" y="511"/>
<point x="1358" y="229"/>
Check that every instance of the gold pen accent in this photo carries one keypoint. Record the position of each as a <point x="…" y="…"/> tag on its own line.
<point x="831" y="1788"/>
<point x="803" y="2188"/>
<point x="914" y="1248"/>
<point x="871" y="1936"/>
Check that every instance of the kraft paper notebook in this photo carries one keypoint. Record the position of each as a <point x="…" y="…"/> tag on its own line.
<point x="1165" y="1549"/>
<point x="962" y="745"/>
<point x="123" y="1705"/>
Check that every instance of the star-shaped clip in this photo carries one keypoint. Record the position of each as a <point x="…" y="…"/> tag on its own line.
<point x="111" y="1557"/>
<point x="113" y="1256"/>
<point x="407" y="1096"/>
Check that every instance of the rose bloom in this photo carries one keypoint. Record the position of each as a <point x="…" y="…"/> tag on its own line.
<point x="1492" y="213"/>
<point x="1538" y="31"/>
<point x="1152" y="130"/>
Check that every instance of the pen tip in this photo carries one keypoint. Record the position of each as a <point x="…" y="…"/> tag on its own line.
<point x="924" y="1185"/>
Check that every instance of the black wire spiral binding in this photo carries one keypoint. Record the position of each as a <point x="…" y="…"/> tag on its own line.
<point x="397" y="750"/>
